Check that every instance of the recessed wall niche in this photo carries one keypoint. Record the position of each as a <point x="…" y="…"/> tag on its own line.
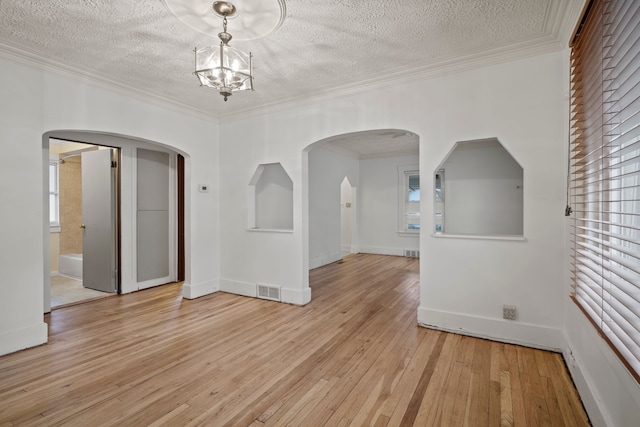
<point x="271" y="199"/>
<point x="479" y="191"/>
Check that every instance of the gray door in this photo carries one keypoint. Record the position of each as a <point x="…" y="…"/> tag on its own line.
<point x="99" y="216"/>
<point x="152" y="218"/>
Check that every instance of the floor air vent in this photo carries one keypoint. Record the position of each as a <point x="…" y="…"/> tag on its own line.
<point x="269" y="292"/>
<point x="412" y="253"/>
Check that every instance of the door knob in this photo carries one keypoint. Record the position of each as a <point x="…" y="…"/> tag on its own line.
<point x="83" y="226"/>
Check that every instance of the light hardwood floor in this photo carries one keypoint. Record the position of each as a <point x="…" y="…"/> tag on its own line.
<point x="353" y="356"/>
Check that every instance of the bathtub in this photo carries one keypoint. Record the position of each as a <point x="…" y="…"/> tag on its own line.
<point x="70" y="265"/>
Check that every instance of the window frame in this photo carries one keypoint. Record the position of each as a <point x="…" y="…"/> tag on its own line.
<point x="54" y="190"/>
<point x="404" y="173"/>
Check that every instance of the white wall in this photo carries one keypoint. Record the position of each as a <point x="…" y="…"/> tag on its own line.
<point x="483" y="190"/>
<point x="347" y="221"/>
<point x="378" y="200"/>
<point x="36" y="101"/>
<point x="327" y="170"/>
<point x="521" y="103"/>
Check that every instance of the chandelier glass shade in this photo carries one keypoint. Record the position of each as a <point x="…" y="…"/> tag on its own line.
<point x="223" y="67"/>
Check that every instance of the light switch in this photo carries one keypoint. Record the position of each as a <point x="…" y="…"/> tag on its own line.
<point x="203" y="188"/>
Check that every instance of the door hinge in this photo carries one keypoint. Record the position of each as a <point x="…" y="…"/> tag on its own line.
<point x="114" y="164"/>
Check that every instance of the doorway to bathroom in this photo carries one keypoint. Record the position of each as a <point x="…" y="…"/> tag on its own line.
<point x="83" y="216"/>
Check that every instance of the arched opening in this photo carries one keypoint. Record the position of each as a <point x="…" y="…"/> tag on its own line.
<point x="145" y="225"/>
<point x="364" y="168"/>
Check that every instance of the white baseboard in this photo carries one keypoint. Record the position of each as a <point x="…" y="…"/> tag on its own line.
<point x="585" y="390"/>
<point x="296" y="296"/>
<point x="197" y="290"/>
<point x="324" y="260"/>
<point x="381" y="251"/>
<point x="247" y="289"/>
<point x="508" y="331"/>
<point x="31" y="336"/>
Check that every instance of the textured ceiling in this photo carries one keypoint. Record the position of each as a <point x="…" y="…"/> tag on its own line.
<point x="321" y="46"/>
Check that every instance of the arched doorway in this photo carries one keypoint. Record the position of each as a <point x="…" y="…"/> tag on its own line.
<point x="142" y="163"/>
<point x="373" y="161"/>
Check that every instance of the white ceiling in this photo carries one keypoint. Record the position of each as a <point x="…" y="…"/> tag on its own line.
<point x="321" y="46"/>
<point x="375" y="143"/>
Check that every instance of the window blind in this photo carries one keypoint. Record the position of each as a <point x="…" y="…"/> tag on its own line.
<point x="605" y="174"/>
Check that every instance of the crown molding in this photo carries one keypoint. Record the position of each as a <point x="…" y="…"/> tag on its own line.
<point x="443" y="68"/>
<point x="36" y="60"/>
<point x="559" y="33"/>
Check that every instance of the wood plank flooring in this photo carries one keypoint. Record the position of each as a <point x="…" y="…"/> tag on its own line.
<point x="353" y="356"/>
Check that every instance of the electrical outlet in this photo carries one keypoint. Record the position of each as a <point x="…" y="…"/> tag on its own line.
<point x="509" y="312"/>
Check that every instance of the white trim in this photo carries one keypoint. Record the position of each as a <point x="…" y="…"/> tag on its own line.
<point x="588" y="394"/>
<point x="508" y="331"/>
<point x="403" y="172"/>
<point x="479" y="237"/>
<point x="408" y="233"/>
<point x="381" y="251"/>
<point x="197" y="290"/>
<point x="326" y="259"/>
<point x="19" y="339"/>
<point x="246" y="289"/>
<point x="473" y="61"/>
<point x="296" y="296"/>
<point x="557" y="35"/>
<point x="271" y="230"/>
<point x="41" y="62"/>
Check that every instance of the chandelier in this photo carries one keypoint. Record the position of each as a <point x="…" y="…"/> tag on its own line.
<point x="223" y="67"/>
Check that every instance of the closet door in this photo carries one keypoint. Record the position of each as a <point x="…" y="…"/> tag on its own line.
<point x="152" y="226"/>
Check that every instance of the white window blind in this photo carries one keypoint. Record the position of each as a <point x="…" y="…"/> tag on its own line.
<point x="605" y="174"/>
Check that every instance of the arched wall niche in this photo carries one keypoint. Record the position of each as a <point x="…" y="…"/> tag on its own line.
<point x="271" y="199"/>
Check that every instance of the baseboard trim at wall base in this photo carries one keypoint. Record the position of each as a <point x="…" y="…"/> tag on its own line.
<point x="507" y="331"/>
<point x="197" y="290"/>
<point x="296" y="296"/>
<point x="246" y="289"/>
<point x="19" y="339"/>
<point x="324" y="260"/>
<point x="590" y="400"/>
<point x="239" y="288"/>
<point x="381" y="251"/>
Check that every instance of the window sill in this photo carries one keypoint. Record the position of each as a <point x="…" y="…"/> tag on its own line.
<point x="270" y="230"/>
<point x="55" y="229"/>
<point x="478" y="237"/>
<point x="408" y="233"/>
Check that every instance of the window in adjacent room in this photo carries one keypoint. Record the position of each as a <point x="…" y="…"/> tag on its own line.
<point x="54" y="195"/>
<point x="409" y="200"/>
